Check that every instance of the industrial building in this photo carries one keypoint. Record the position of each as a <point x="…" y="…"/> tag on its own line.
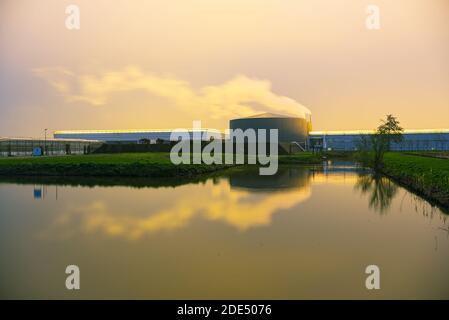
<point x="131" y="136"/>
<point x="293" y="131"/>
<point x="413" y="140"/>
<point x="289" y="128"/>
<point x="296" y="132"/>
<point x="29" y="146"/>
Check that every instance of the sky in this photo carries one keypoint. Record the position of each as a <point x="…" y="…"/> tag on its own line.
<point x="163" y="64"/>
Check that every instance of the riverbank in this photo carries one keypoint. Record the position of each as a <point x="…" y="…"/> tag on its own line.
<point x="154" y="164"/>
<point x="425" y="175"/>
<point x="306" y="158"/>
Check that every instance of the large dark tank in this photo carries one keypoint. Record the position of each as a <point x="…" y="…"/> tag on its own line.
<point x="286" y="178"/>
<point x="290" y="129"/>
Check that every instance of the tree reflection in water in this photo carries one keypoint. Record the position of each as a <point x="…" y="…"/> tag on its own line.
<point x="380" y="190"/>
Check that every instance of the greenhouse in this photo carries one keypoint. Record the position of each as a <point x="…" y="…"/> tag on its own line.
<point x="10" y="147"/>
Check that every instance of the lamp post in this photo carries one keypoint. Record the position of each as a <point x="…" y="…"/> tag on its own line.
<point x="45" y="142"/>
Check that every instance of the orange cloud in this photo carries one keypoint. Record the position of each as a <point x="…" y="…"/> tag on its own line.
<point x="240" y="209"/>
<point x="240" y="96"/>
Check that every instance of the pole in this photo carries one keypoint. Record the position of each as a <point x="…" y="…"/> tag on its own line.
<point x="45" y="142"/>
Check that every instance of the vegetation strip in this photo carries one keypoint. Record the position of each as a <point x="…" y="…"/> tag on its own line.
<point x="154" y="164"/>
<point x="104" y="165"/>
<point x="424" y="175"/>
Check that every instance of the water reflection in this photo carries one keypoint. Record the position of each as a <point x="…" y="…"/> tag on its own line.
<point x="286" y="178"/>
<point x="242" y="200"/>
<point x="308" y="232"/>
<point x="380" y="191"/>
<point x="239" y="198"/>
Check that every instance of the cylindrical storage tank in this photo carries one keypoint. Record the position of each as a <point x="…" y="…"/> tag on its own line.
<point x="290" y="129"/>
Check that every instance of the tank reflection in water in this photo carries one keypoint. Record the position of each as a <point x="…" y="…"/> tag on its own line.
<point x="308" y="232"/>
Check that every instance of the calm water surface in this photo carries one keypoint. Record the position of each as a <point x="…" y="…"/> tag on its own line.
<point x="308" y="232"/>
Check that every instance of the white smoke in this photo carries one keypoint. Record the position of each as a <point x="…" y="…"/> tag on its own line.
<point x="238" y="97"/>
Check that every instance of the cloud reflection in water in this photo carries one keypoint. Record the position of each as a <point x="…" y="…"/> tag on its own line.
<point x="243" y="201"/>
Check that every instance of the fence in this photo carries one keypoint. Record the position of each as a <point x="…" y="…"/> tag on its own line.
<point x="51" y="147"/>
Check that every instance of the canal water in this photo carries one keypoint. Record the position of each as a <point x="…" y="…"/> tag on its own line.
<point x="308" y="232"/>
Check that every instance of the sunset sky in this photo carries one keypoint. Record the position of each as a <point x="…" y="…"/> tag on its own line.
<point x="163" y="64"/>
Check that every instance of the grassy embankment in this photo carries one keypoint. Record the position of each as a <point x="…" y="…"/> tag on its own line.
<point x="306" y="158"/>
<point x="156" y="164"/>
<point x="103" y="165"/>
<point x="425" y="175"/>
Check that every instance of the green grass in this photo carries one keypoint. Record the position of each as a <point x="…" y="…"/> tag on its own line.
<point x="426" y="175"/>
<point x="431" y="154"/>
<point x="125" y="164"/>
<point x="301" y="158"/>
<point x="154" y="164"/>
<point x="112" y="158"/>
